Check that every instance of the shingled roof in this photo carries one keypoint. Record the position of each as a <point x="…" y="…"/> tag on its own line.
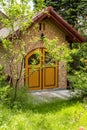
<point x="50" y="13"/>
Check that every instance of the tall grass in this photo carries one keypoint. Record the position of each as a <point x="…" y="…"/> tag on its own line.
<point x="55" y="115"/>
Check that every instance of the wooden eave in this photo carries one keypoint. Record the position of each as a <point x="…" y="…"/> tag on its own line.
<point x="51" y="14"/>
<point x="60" y="22"/>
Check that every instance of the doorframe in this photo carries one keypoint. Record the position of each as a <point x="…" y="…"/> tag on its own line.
<point x="41" y="70"/>
<point x="25" y="63"/>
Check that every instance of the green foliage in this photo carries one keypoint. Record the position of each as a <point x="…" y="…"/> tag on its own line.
<point x="73" y="9"/>
<point x="79" y="56"/>
<point x="7" y="94"/>
<point x="57" y="114"/>
<point x="4" y="94"/>
<point x="56" y="51"/>
<point x="19" y="17"/>
<point x="4" y="88"/>
<point x="78" y="68"/>
<point x="79" y="80"/>
<point x="83" y="51"/>
<point x="39" y="5"/>
<point x="22" y="101"/>
<point x="18" y="14"/>
<point x="1" y="75"/>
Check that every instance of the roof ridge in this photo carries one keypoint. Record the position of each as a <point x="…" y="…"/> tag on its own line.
<point x="64" y="24"/>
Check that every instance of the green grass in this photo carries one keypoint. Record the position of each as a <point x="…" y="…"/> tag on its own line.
<point x="55" y="115"/>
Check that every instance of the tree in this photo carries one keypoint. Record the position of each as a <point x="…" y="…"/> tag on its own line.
<point x="77" y="75"/>
<point x="83" y="26"/>
<point x="19" y="17"/>
<point x="70" y="10"/>
<point x="39" y="5"/>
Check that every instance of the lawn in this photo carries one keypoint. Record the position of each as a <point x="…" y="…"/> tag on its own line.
<point x="55" y="115"/>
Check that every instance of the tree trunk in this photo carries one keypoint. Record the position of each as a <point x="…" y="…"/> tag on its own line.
<point x="15" y="90"/>
<point x="17" y="80"/>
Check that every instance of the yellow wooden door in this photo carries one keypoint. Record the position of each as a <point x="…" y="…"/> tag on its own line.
<point x="50" y="71"/>
<point x="33" y="72"/>
<point x="42" y="75"/>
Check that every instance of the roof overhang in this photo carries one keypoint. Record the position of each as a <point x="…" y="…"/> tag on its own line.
<point x="50" y="13"/>
<point x="71" y="34"/>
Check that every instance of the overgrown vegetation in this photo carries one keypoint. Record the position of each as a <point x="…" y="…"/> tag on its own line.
<point x="57" y="114"/>
<point x="19" y="17"/>
<point x="7" y="93"/>
<point x="5" y="89"/>
<point x="75" y="11"/>
<point x="17" y="107"/>
<point x="77" y="74"/>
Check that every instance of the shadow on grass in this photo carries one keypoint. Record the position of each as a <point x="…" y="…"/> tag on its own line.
<point x="29" y="103"/>
<point x="52" y="106"/>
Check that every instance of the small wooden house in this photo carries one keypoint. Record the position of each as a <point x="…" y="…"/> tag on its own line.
<point x="52" y="25"/>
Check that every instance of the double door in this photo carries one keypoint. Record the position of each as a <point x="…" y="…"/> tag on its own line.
<point x="40" y="74"/>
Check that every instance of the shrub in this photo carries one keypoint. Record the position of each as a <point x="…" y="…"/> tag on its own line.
<point x="23" y="99"/>
<point x="79" y="81"/>
<point x="4" y="94"/>
<point x="7" y="94"/>
<point x="5" y="89"/>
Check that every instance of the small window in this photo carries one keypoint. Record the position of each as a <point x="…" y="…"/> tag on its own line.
<point x="41" y="26"/>
<point x="48" y="58"/>
<point x="33" y="59"/>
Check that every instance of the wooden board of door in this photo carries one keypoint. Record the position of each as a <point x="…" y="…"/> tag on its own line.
<point x="40" y="75"/>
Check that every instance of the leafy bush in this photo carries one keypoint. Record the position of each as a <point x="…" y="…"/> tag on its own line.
<point x="78" y="68"/>
<point x="79" y="81"/>
<point x="2" y="76"/>
<point x="23" y="100"/>
<point x="7" y="94"/>
<point x="4" y="94"/>
<point x="5" y="89"/>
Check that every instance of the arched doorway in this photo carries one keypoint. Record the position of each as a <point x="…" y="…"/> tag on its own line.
<point x="41" y="75"/>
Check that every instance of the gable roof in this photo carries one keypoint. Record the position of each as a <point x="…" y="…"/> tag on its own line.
<point x="50" y="13"/>
<point x="71" y="34"/>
